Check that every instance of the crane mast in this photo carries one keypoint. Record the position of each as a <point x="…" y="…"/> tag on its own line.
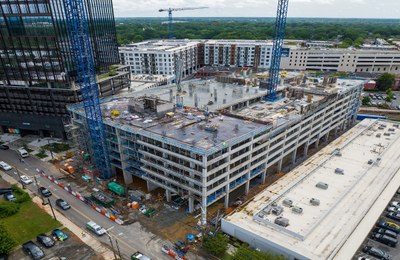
<point x="77" y="23"/>
<point x="170" y="10"/>
<point x="279" y="33"/>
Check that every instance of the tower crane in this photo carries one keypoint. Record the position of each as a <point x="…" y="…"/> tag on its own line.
<point x="279" y="32"/>
<point x="170" y="10"/>
<point x="78" y="28"/>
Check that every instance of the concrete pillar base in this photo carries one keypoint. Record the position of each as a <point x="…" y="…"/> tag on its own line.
<point x="279" y="167"/>
<point x="168" y="195"/>
<point x="263" y="177"/>
<point x="247" y="188"/>
<point x="305" y="150"/>
<point x="191" y="204"/>
<point x="294" y="156"/>
<point x="150" y="186"/>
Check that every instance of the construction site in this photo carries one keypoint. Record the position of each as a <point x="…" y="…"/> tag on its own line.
<point x="221" y="136"/>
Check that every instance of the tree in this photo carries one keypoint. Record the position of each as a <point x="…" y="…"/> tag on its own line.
<point x="7" y="243"/>
<point x="366" y="100"/>
<point x="244" y="253"/>
<point x="389" y="95"/>
<point x="385" y="81"/>
<point x="216" y="245"/>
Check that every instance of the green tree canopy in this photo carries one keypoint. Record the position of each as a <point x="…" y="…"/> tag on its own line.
<point x="385" y="81"/>
<point x="366" y="100"/>
<point x="216" y="245"/>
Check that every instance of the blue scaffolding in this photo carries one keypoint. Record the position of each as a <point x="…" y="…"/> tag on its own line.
<point x="279" y="32"/>
<point x="77" y="22"/>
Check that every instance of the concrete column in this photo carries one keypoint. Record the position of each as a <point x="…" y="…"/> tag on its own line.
<point x="127" y="177"/>
<point x="263" y="176"/>
<point x="168" y="195"/>
<point x="294" y="154"/>
<point x="326" y="137"/>
<point x="247" y="188"/>
<point x="191" y="203"/>
<point x="227" y="197"/>
<point x="204" y="210"/>
<point x="151" y="186"/>
<point x="306" y="149"/>
<point x="317" y="142"/>
<point x="279" y="168"/>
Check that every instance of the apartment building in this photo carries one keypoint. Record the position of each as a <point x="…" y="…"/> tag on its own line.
<point x="347" y="60"/>
<point x="206" y="150"/>
<point x="160" y="57"/>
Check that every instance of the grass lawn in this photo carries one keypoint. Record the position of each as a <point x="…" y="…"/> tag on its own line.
<point x="29" y="222"/>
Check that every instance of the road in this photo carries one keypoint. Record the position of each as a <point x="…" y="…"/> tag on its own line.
<point x="130" y="238"/>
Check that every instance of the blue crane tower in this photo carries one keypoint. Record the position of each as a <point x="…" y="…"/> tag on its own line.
<point x="77" y="23"/>
<point x="170" y="10"/>
<point x="279" y="33"/>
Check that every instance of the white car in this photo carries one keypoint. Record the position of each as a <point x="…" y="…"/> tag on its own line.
<point x="5" y="166"/>
<point x="25" y="180"/>
<point x="395" y="204"/>
<point x="393" y="209"/>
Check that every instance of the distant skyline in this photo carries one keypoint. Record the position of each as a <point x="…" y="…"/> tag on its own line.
<point x="262" y="8"/>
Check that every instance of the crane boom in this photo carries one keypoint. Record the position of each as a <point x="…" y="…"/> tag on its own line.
<point x="170" y="10"/>
<point x="279" y="32"/>
<point x="77" y="22"/>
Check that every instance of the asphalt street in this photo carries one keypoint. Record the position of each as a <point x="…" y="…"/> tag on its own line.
<point x="131" y="238"/>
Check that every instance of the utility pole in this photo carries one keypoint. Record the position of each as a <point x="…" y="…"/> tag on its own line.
<point x="51" y="207"/>
<point x="119" y="252"/>
<point x="19" y="176"/>
<point x="112" y="246"/>
<point x="50" y="148"/>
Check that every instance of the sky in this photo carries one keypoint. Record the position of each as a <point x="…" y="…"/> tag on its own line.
<point x="261" y="8"/>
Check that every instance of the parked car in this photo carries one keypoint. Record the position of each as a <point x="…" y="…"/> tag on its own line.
<point x="63" y="204"/>
<point x="386" y="232"/>
<point x="395" y="204"/>
<point x="59" y="235"/>
<point x="393" y="209"/>
<point x="4" y="147"/>
<point x="389" y="225"/>
<point x="10" y="197"/>
<point x="33" y="250"/>
<point x="45" y="192"/>
<point x="390" y="241"/>
<point x="376" y="252"/>
<point x="393" y="215"/>
<point x="139" y="256"/>
<point x="23" y="152"/>
<point x="5" y="166"/>
<point x="45" y="240"/>
<point x="92" y="226"/>
<point x="25" y="180"/>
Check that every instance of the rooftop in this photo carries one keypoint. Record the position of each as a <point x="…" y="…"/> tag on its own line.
<point x="199" y="124"/>
<point x="343" y="181"/>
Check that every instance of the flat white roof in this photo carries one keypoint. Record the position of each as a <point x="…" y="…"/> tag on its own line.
<point x="319" y="232"/>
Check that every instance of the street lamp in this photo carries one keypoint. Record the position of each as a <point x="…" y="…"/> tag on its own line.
<point x="112" y="245"/>
<point x="50" y="148"/>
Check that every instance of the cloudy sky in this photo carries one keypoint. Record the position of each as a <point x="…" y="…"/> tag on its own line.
<point x="262" y="8"/>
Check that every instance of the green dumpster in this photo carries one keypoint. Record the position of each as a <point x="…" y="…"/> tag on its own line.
<point x="116" y="188"/>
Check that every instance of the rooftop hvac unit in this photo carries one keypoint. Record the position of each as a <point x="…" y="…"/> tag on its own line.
<point x="281" y="221"/>
<point x="322" y="185"/>
<point x="314" y="202"/>
<point x="287" y="202"/>
<point x="277" y="210"/>
<point x="339" y="171"/>
<point x="297" y="210"/>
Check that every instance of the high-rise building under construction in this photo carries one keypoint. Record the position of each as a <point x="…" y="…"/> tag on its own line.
<point x="37" y="71"/>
